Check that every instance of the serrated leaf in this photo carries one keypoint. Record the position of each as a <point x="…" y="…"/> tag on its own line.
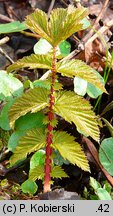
<point x="38" y="22"/>
<point x="9" y="86"/>
<point x="33" y="61"/>
<point x="29" y="187"/>
<point x="64" y="22"/>
<point x="12" y="27"/>
<point x="70" y="150"/>
<point x="36" y="173"/>
<point x="24" y="123"/>
<point x="32" y="141"/>
<point x="58" y="172"/>
<point x="74" y="108"/>
<point x="32" y="101"/>
<point x="78" y="68"/>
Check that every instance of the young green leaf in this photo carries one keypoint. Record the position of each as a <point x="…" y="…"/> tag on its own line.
<point x="42" y="47"/>
<point x="12" y="27"/>
<point x="103" y="194"/>
<point x="78" y="68"/>
<point x="29" y="187"/>
<point x="32" y="101"/>
<point x="80" y="86"/>
<point x="32" y="141"/>
<point x="9" y="86"/>
<point x="70" y="150"/>
<point x="106" y="154"/>
<point x="99" y="191"/>
<point x="94" y="184"/>
<point x="32" y="62"/>
<point x="29" y="121"/>
<point x="77" y="111"/>
<point x="37" y="159"/>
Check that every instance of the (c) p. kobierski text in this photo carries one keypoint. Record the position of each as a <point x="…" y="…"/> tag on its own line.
<point x="52" y="208"/>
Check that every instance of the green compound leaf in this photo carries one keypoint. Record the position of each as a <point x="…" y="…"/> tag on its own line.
<point x="29" y="187"/>
<point x="78" y="68"/>
<point x="70" y="150"/>
<point x="62" y="24"/>
<point x="32" y="101"/>
<point x="106" y="154"/>
<point x="74" y="108"/>
<point x="33" y="61"/>
<point x="32" y="141"/>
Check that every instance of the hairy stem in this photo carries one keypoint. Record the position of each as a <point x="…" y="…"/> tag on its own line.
<point x="49" y="139"/>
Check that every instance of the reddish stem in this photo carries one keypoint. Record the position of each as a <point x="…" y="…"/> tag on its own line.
<point x="49" y="139"/>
